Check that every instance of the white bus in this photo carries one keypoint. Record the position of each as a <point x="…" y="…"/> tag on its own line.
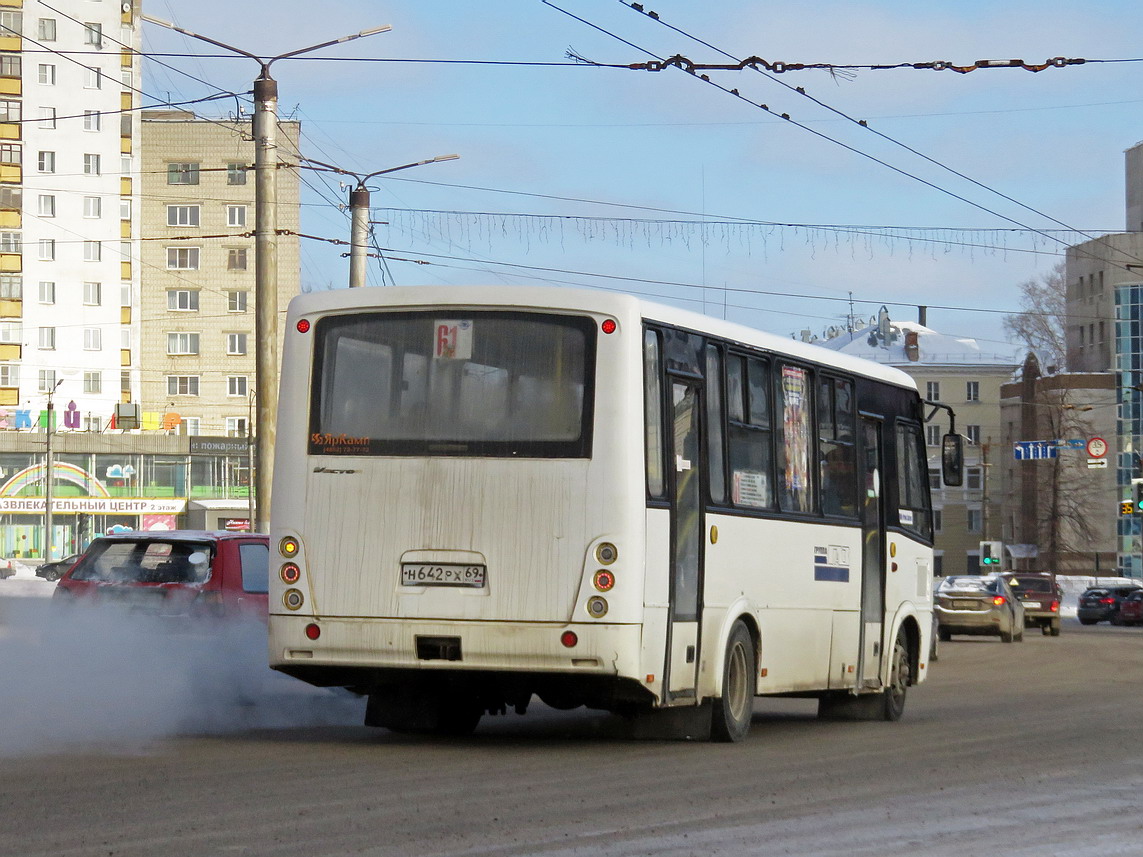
<point x="483" y="494"/>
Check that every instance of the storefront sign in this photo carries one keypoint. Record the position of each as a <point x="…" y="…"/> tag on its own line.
<point x="95" y="505"/>
<point x="219" y="445"/>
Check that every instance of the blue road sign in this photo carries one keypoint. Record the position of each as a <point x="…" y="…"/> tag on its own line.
<point x="1033" y="450"/>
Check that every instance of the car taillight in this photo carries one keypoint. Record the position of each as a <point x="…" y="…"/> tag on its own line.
<point x="999" y="600"/>
<point x="1054" y="606"/>
<point x="1107" y="601"/>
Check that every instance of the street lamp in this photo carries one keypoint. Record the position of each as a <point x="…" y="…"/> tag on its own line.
<point x="49" y="473"/>
<point x="359" y="212"/>
<point x="265" y="127"/>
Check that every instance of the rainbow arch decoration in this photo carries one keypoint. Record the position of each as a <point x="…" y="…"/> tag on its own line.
<point x="62" y="472"/>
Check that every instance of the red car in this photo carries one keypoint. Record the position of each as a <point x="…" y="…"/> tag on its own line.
<point x="174" y="573"/>
<point x="1131" y="609"/>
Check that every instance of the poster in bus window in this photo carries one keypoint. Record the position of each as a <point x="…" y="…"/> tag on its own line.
<point x="452" y="340"/>
<point x="751" y="489"/>
<point x="796" y="433"/>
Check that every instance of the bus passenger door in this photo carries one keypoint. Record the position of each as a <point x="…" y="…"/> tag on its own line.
<point x="686" y="541"/>
<point x="872" y="554"/>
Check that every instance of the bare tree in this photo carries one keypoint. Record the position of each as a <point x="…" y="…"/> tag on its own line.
<point x="1040" y="323"/>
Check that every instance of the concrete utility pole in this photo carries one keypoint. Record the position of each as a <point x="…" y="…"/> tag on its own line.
<point x="49" y="473"/>
<point x="265" y="131"/>
<point x="359" y="212"/>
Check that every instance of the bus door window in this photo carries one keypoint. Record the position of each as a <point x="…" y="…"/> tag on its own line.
<point x="687" y="507"/>
<point x="653" y="414"/>
<point x="714" y="422"/>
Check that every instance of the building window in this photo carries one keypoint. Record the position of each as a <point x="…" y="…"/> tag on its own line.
<point x="236" y="173"/>
<point x="12" y="21"/>
<point x="124" y="294"/>
<point x="938" y="523"/>
<point x="973" y="434"/>
<point x="93" y="382"/>
<point x="236" y="385"/>
<point x="92" y="79"/>
<point x="933" y="435"/>
<point x="10" y="153"/>
<point x="10" y="111"/>
<point x="975" y="521"/>
<point x="92" y="339"/>
<point x="235" y="343"/>
<point x="973" y="478"/>
<point x="46" y="380"/>
<point x="125" y="342"/>
<point x="46" y="74"/>
<point x="11" y="65"/>
<point x="92" y="294"/>
<point x="972" y="391"/>
<point x="236" y="426"/>
<point x="92" y="120"/>
<point x="9" y="375"/>
<point x="47" y="338"/>
<point x="11" y="197"/>
<point x="933" y="391"/>
<point x="11" y="332"/>
<point x="182" y="300"/>
<point x="191" y="426"/>
<point x="934" y="478"/>
<point x="182" y="258"/>
<point x="11" y="287"/>
<point x="47" y="292"/>
<point x="236" y="301"/>
<point x="182" y="173"/>
<point x="47" y="117"/>
<point x="46" y="30"/>
<point x="92" y="251"/>
<point x="47" y="249"/>
<point x="93" y="34"/>
<point x="10" y="242"/>
<point x="47" y="205"/>
<point x="46" y="162"/>
<point x="91" y="165"/>
<point x="182" y="385"/>
<point x="182" y="215"/>
<point x="236" y="215"/>
<point x="236" y="259"/>
<point x="182" y="343"/>
<point x="92" y="206"/>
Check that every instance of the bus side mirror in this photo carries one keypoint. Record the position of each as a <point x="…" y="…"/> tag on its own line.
<point x="952" y="460"/>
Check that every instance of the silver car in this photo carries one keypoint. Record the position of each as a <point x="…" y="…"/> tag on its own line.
<point x="981" y="605"/>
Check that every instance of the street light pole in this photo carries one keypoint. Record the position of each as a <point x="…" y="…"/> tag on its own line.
<point x="265" y="132"/>
<point x="49" y="474"/>
<point x="359" y="212"/>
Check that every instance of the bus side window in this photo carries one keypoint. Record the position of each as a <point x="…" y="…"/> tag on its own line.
<point x="794" y="408"/>
<point x="748" y="434"/>
<point x="716" y="469"/>
<point x="913" y="483"/>
<point x="653" y="413"/>
<point x="836" y="448"/>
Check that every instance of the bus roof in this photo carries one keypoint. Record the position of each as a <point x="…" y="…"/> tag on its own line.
<point x="553" y="297"/>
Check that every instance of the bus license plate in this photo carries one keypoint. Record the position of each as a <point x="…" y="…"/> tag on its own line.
<point x="442" y="574"/>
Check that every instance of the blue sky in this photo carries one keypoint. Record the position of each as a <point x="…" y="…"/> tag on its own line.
<point x="666" y="151"/>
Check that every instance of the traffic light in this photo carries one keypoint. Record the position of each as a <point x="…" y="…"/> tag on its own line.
<point x="990" y="554"/>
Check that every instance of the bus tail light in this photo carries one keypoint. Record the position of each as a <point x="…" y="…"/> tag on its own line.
<point x="606" y="553"/>
<point x="603" y="580"/>
<point x="596" y="607"/>
<point x="312" y="631"/>
<point x="293" y="599"/>
<point x="289" y="547"/>
<point x="290" y="573"/>
<point x="569" y="639"/>
<point x="608" y="325"/>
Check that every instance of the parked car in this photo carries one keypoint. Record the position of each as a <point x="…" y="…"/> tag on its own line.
<point x="1040" y="594"/>
<point x="1131" y="609"/>
<point x="979" y="605"/>
<point x="57" y="568"/>
<point x="1101" y="603"/>
<point x="193" y="573"/>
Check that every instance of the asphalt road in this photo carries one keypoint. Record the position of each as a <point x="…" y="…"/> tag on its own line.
<point x="1020" y="749"/>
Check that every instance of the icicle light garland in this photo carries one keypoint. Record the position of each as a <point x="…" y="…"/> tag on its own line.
<point x="463" y="228"/>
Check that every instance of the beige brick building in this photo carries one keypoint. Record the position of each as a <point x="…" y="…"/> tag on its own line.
<point x="197" y="337"/>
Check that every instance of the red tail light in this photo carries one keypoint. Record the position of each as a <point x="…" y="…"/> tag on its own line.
<point x="1107" y="601"/>
<point x="1054" y="606"/>
<point x="999" y="600"/>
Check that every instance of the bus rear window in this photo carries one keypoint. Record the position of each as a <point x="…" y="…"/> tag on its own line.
<point x="453" y="382"/>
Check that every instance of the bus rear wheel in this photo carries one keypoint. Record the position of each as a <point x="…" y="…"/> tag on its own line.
<point x="732" y="711"/>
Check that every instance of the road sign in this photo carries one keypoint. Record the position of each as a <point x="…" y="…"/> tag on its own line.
<point x="1096" y="447"/>
<point x="1072" y="443"/>
<point x="1031" y="450"/>
<point x="1097" y="464"/>
<point x="1127" y="507"/>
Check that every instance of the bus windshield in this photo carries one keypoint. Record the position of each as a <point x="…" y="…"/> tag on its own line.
<point x="453" y="383"/>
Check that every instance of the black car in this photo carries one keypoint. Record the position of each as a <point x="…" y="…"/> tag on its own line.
<point x="1101" y="603"/>
<point x="57" y="568"/>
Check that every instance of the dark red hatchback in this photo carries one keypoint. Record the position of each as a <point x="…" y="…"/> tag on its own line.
<point x="174" y="573"/>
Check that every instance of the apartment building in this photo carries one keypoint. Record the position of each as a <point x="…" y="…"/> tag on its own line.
<point x="958" y="372"/>
<point x="197" y="337"/>
<point x="69" y="83"/>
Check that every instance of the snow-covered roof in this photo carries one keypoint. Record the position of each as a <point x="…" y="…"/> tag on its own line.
<point x="933" y="348"/>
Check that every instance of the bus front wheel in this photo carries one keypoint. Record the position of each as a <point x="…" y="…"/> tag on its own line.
<point x="732" y="711"/>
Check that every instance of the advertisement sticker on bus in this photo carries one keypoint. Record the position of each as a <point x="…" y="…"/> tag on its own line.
<point x="452" y="340"/>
